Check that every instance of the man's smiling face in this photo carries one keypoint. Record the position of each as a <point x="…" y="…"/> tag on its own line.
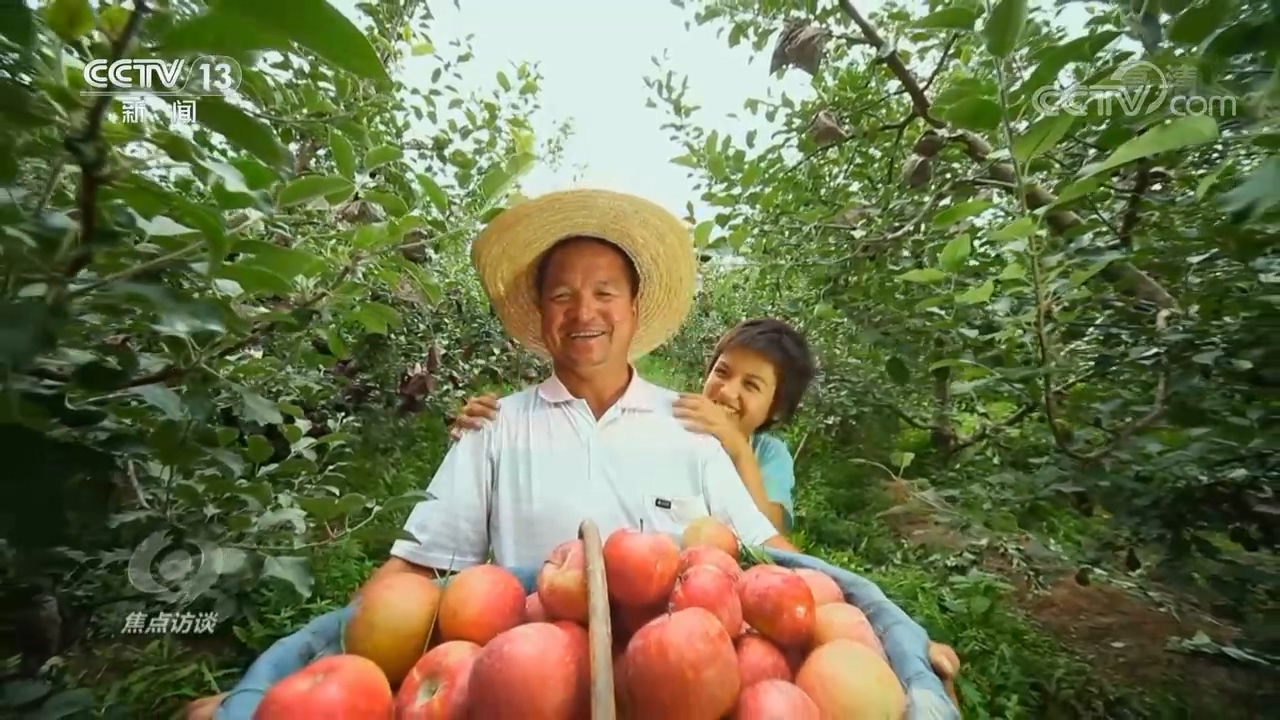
<point x="587" y="297"/>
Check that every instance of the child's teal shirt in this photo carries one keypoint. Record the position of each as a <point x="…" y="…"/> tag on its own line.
<point x="778" y="471"/>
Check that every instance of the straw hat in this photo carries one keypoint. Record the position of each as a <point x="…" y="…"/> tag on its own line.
<point x="506" y="256"/>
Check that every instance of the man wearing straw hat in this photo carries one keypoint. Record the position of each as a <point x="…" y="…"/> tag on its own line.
<point x="592" y="280"/>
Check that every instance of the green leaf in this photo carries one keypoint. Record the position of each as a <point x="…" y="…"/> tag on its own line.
<point x="315" y="25"/>
<point x="422" y="48"/>
<point x="256" y="281"/>
<point x="1208" y="181"/>
<point x="923" y="275"/>
<point x="243" y="131"/>
<point x="399" y="227"/>
<point x="421" y="280"/>
<point x="231" y="177"/>
<point x="286" y="262"/>
<point x="392" y="203"/>
<point x="68" y="19"/>
<point x="337" y="347"/>
<point x="292" y="570"/>
<point x="1020" y="228"/>
<point x="376" y="317"/>
<point x="258" y="449"/>
<point x="1004" y="27"/>
<point x="369" y="237"/>
<point x="1079" y="189"/>
<point x="497" y="181"/>
<point x="382" y="155"/>
<point x="959" y="211"/>
<point x="702" y="233"/>
<point x="901" y="460"/>
<point x="18" y="25"/>
<point x="1042" y="136"/>
<point x="310" y="187"/>
<point x="65" y="704"/>
<point x="974" y="113"/>
<point x="1080" y="277"/>
<point x="162" y="398"/>
<point x="1181" y="132"/>
<point x="1013" y="271"/>
<point x="256" y="408"/>
<point x="323" y="509"/>
<point x="1199" y="21"/>
<point x="504" y="82"/>
<point x="1260" y="192"/>
<point x="897" y="370"/>
<point x="952" y="18"/>
<point x="434" y="193"/>
<point x="977" y="295"/>
<point x="344" y="155"/>
<point x="955" y="253"/>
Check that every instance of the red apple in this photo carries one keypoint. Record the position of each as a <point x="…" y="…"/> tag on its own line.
<point x="391" y="623"/>
<point x="710" y="531"/>
<point x="825" y="590"/>
<point x="640" y="568"/>
<point x="778" y="605"/>
<point x="707" y="555"/>
<point x="759" y="659"/>
<point x="628" y="619"/>
<point x="775" y="700"/>
<point x="562" y="583"/>
<point x="436" y="688"/>
<point x="846" y="679"/>
<point x="712" y="589"/>
<point x="765" y="569"/>
<point x="334" y="686"/>
<point x="681" y="665"/>
<point x="836" y="621"/>
<point x="537" y="671"/>
<point x="533" y="611"/>
<point x="479" y="603"/>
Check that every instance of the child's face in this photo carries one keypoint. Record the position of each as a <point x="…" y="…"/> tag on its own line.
<point x="743" y="382"/>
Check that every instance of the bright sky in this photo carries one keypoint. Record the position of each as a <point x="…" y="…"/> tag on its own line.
<point x="594" y="55"/>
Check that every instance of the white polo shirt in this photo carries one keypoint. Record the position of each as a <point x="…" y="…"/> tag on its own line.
<point x="523" y="483"/>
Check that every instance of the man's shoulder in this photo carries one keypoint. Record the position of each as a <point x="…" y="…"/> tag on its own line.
<point x="661" y="399"/>
<point x="522" y="399"/>
<point x="661" y="405"/>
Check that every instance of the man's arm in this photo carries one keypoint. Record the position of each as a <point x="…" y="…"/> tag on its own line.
<point x="451" y="526"/>
<point x="732" y="504"/>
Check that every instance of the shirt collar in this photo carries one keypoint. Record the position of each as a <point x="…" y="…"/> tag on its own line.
<point x="639" y="394"/>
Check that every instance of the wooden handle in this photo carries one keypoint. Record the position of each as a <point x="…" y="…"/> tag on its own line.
<point x="599" y="627"/>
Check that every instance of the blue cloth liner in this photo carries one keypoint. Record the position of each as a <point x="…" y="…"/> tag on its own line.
<point x="905" y="642"/>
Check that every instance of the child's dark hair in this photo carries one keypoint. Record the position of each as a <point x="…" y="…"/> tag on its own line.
<point x="785" y="348"/>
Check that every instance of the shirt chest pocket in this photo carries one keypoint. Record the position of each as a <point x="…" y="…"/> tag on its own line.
<point x="672" y="513"/>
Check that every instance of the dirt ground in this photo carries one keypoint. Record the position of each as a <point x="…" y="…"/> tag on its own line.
<point x="1124" y="635"/>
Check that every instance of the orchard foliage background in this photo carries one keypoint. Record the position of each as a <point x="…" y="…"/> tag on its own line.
<point x="1046" y="415"/>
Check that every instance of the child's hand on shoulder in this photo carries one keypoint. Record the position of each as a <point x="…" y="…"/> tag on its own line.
<point x="700" y="414"/>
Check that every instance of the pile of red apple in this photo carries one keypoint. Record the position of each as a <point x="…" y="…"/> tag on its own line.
<point x="696" y="637"/>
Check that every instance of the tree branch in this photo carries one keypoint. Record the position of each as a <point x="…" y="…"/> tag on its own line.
<point x="1018" y="416"/>
<point x="919" y="102"/>
<point x="1123" y="275"/>
<point x="86" y="148"/>
<point x="1158" y="407"/>
<point x="1141" y="182"/>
